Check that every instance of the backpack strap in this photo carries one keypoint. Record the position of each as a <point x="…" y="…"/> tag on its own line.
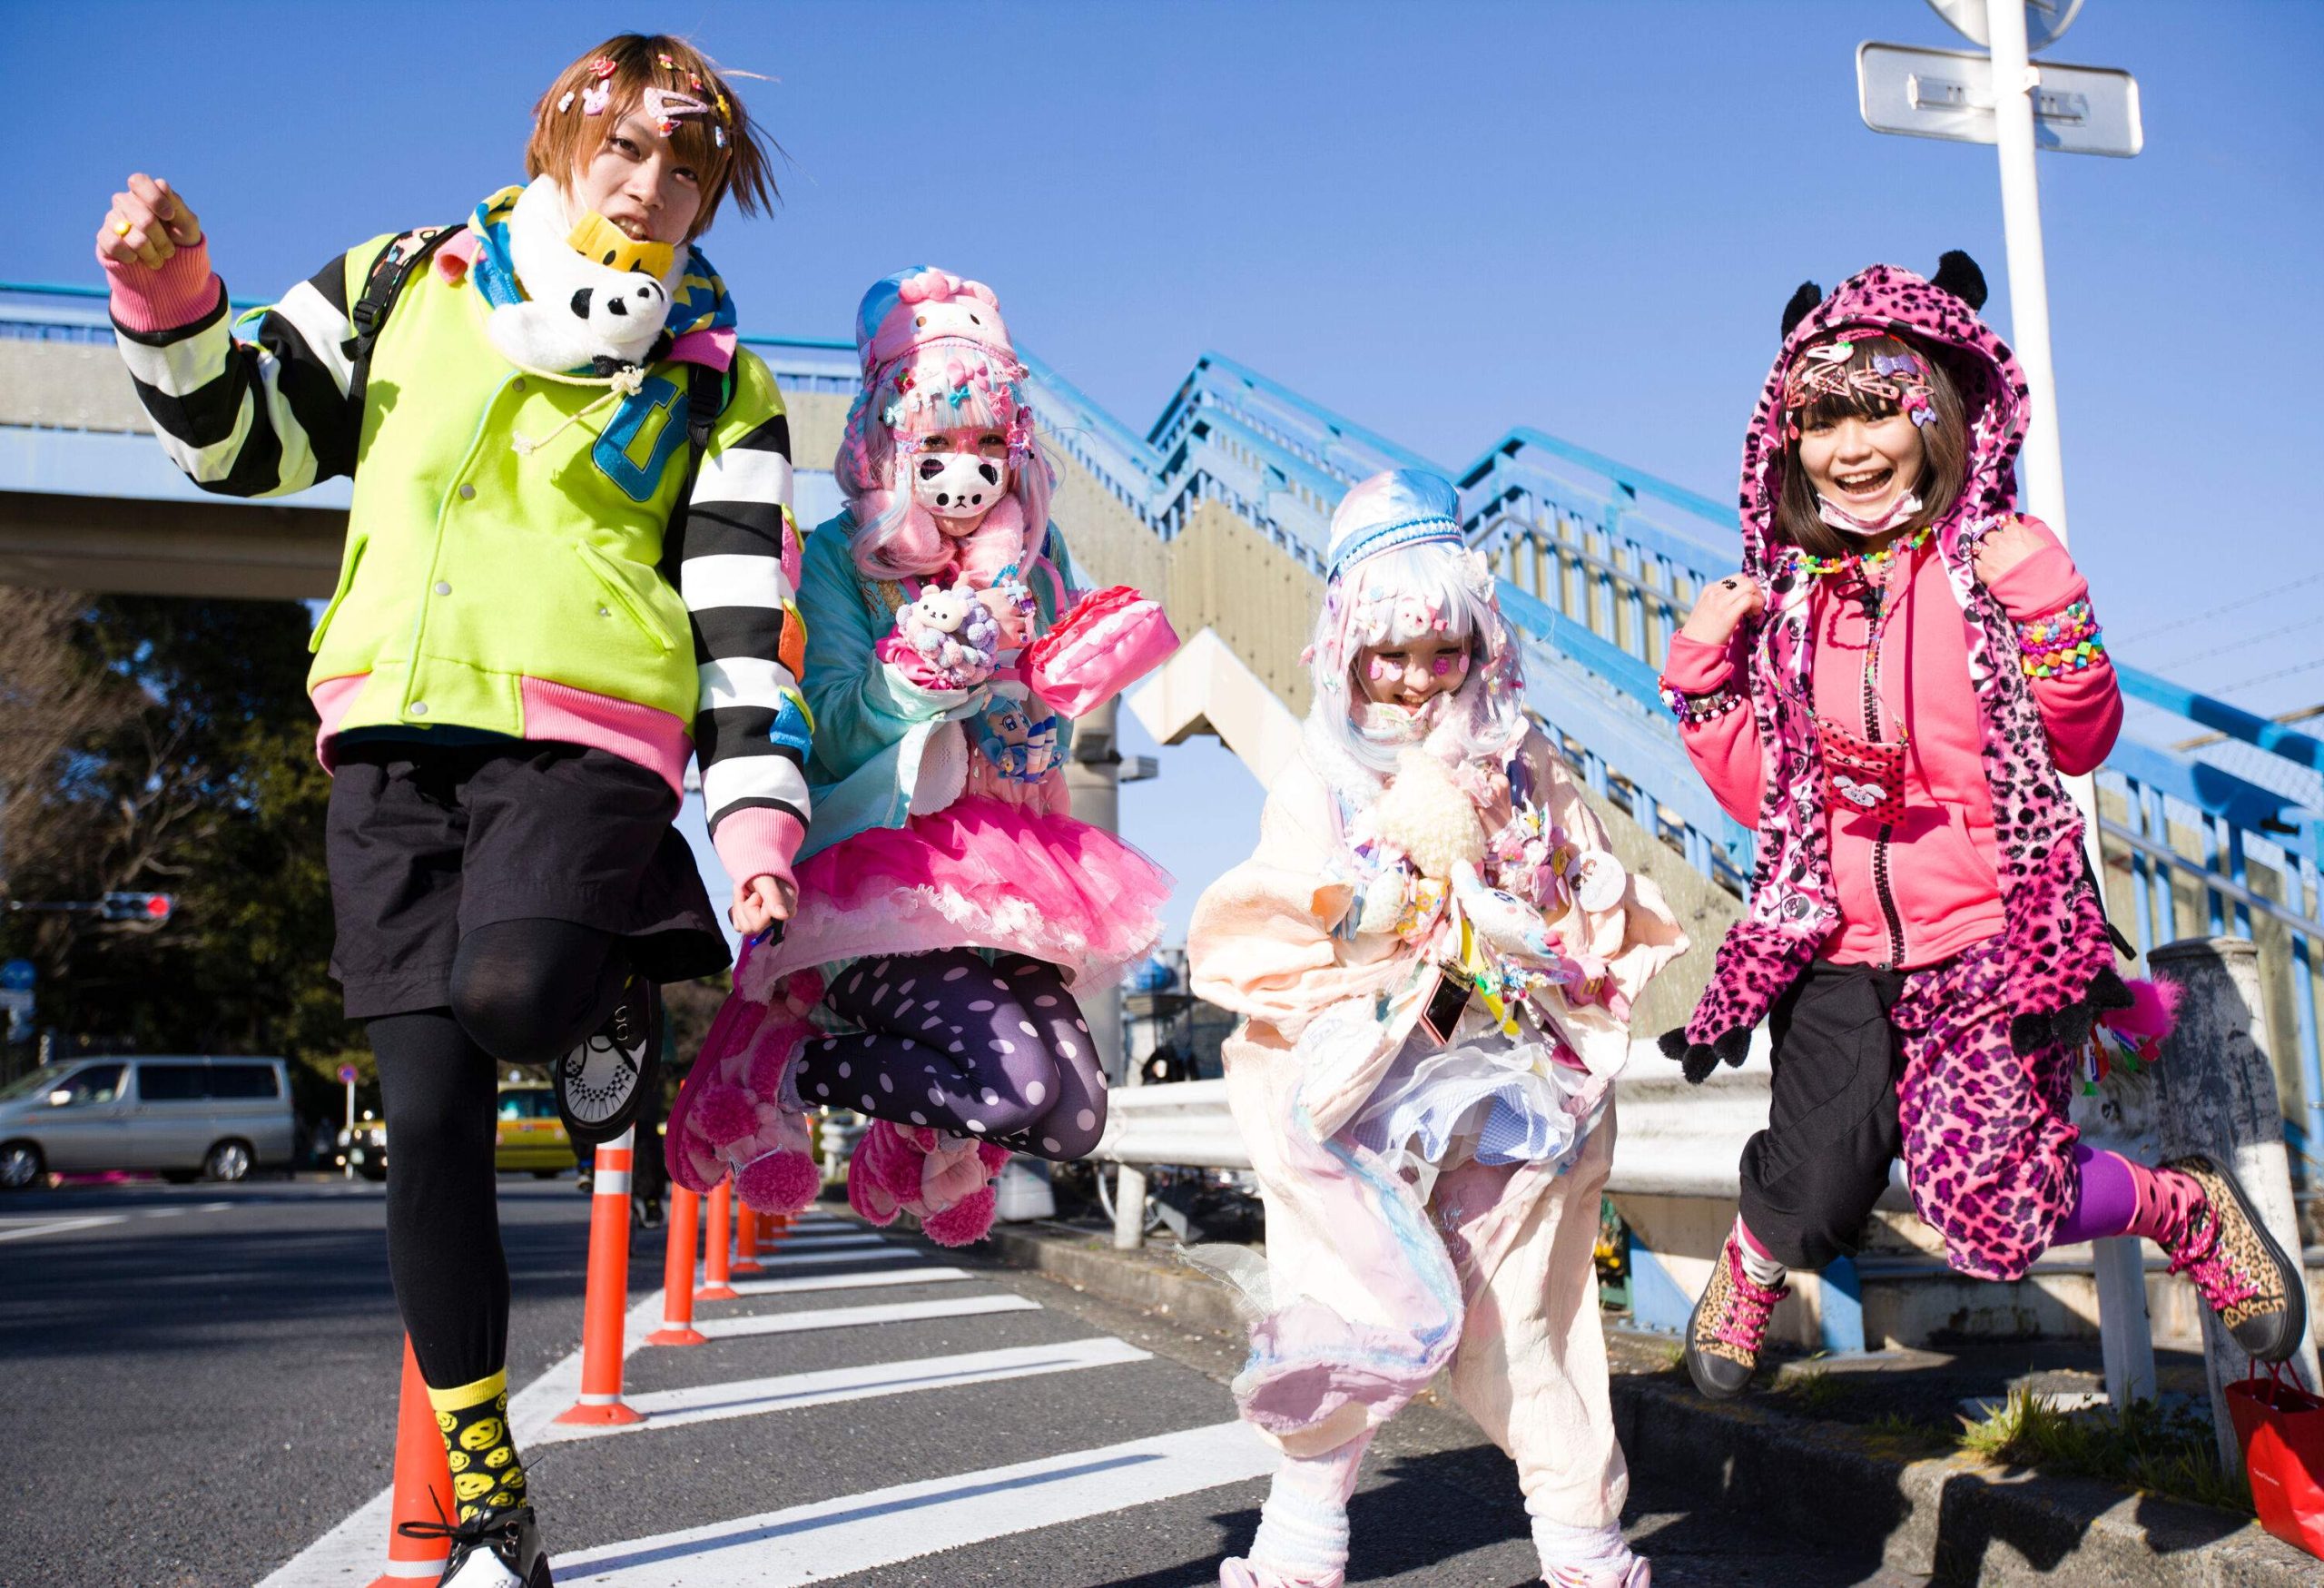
<point x="706" y="398"/>
<point x="390" y="271"/>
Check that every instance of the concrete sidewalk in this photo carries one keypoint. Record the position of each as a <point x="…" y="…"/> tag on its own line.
<point x="1952" y="1518"/>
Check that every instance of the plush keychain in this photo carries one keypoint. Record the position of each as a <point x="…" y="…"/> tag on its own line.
<point x="946" y="639"/>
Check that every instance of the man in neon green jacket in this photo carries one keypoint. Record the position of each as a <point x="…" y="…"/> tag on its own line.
<point x="570" y="567"/>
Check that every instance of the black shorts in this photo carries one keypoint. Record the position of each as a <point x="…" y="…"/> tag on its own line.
<point x="428" y="843"/>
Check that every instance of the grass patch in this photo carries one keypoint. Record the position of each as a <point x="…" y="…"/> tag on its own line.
<point x="1897" y="1430"/>
<point x="1816" y="1391"/>
<point x="2146" y="1446"/>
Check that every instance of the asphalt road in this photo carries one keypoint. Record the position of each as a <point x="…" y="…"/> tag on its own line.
<point x="202" y="1388"/>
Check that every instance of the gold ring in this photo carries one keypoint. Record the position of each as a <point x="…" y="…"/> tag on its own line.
<point x="121" y="228"/>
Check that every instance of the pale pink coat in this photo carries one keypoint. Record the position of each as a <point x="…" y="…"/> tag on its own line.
<point x="1369" y="1292"/>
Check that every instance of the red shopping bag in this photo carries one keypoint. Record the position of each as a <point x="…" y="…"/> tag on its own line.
<point x="2281" y="1426"/>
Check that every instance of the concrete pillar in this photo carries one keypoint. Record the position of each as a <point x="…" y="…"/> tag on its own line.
<point x="2215" y="1092"/>
<point x="1093" y="778"/>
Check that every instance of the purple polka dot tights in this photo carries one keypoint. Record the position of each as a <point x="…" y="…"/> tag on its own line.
<point x="997" y="1051"/>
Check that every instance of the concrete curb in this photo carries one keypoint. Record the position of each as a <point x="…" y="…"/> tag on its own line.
<point x="1952" y="1518"/>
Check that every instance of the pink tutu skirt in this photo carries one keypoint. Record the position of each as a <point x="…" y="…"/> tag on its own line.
<point x="984" y="874"/>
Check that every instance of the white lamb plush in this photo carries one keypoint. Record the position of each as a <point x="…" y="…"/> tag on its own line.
<point x="1425" y="816"/>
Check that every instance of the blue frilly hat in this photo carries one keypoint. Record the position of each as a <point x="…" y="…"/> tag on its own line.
<point x="1396" y="507"/>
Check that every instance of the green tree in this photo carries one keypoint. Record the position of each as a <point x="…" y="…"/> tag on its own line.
<point x="203" y="785"/>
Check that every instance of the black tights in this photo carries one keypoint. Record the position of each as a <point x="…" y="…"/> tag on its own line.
<point x="523" y="991"/>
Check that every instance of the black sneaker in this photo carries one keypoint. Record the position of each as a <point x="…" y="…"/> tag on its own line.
<point x="495" y="1549"/>
<point x="600" y="1083"/>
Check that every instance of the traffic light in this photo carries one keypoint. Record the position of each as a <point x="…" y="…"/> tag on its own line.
<point x="149" y="909"/>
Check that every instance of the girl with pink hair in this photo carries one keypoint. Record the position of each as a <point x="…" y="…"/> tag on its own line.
<point x="952" y="911"/>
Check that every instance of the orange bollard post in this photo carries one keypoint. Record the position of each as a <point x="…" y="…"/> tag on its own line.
<point x="747" y="1240"/>
<point x="605" y="1306"/>
<point x="715" y="1287"/>
<point x="423" y="1486"/>
<point x="678" y="1275"/>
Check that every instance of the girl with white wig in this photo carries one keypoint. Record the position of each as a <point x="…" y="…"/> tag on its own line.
<point x="1435" y="951"/>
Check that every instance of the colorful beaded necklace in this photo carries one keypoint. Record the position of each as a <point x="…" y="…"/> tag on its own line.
<point x="1869" y="566"/>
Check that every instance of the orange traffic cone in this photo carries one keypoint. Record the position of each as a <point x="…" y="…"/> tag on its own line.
<point x="423" y="1486"/>
<point x="677" y="1275"/>
<point x="605" y="1306"/>
<point x="747" y="1240"/>
<point x="715" y="1287"/>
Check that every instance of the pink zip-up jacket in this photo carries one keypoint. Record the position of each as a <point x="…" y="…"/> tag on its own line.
<point x="1941" y="861"/>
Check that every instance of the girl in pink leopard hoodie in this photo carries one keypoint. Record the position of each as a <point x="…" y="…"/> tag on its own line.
<point x="1889" y="691"/>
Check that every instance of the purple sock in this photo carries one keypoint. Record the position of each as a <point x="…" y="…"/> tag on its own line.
<point x="2108" y="1201"/>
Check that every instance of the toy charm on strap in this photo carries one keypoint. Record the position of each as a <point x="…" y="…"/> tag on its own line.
<point x="1111" y="639"/>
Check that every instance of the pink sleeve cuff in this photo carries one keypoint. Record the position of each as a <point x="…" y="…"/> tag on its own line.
<point x="758" y="841"/>
<point x="182" y="291"/>
<point x="1696" y="668"/>
<point x="2040" y="584"/>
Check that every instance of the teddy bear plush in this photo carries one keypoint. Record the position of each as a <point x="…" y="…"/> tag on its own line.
<point x="946" y="639"/>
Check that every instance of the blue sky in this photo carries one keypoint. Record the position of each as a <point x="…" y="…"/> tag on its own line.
<point x="1439" y="218"/>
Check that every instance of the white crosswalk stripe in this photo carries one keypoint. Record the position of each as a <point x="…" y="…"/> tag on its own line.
<point x="749" y="1397"/>
<point x="835" y="1538"/>
<point x="839" y="1317"/>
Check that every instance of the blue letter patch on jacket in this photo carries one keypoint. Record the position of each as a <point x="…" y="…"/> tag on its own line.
<point x="651" y="420"/>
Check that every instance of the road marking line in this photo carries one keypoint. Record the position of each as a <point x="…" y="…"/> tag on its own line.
<point x="60" y="1225"/>
<point x="860" y="1533"/>
<point x="870" y="1251"/>
<point x="929" y="1274"/>
<point x="839" y="1317"/>
<point x="749" y="1397"/>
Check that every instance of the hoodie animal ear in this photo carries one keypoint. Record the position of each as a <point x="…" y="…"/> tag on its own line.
<point x="1958" y="274"/>
<point x="1802" y="304"/>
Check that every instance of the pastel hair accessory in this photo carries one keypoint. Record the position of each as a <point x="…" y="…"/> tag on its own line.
<point x="1824" y="372"/>
<point x="596" y="98"/>
<point x="565" y="101"/>
<point x="1396" y="507"/>
<point x="664" y="106"/>
<point x="601" y="68"/>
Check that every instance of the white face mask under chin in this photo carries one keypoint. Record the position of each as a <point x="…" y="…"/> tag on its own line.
<point x="957" y="485"/>
<point x="1847" y="523"/>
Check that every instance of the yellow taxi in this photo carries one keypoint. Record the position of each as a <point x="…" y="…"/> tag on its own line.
<point x="530" y="1136"/>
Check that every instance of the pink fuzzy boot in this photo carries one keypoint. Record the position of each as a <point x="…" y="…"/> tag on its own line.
<point x="943" y="1181"/>
<point x="739" y="1113"/>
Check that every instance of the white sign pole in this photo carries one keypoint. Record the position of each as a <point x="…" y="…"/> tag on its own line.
<point x="2125" y="1337"/>
<point x="2014" y="81"/>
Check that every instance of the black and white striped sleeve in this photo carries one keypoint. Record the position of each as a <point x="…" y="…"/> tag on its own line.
<point x="738" y="571"/>
<point x="260" y="418"/>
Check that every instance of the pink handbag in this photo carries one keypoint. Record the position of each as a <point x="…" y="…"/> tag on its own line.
<point x="1111" y="639"/>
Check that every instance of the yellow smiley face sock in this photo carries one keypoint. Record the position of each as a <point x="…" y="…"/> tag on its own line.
<point x="474" y="1420"/>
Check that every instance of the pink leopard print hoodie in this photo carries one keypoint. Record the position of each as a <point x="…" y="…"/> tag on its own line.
<point x="2058" y="948"/>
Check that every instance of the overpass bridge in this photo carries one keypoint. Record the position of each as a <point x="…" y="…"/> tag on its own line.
<point x="2212" y="818"/>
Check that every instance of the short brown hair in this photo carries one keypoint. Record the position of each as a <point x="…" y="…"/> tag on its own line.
<point x="565" y="137"/>
<point x="1946" y="444"/>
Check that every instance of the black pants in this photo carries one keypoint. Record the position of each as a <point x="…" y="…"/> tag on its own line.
<point x="523" y="991"/>
<point x="1811" y="1178"/>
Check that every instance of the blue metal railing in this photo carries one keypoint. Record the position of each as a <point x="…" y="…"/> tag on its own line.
<point x="1600" y="563"/>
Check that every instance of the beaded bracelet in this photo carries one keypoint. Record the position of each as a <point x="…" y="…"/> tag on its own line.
<point x="2067" y="641"/>
<point x="1692" y="710"/>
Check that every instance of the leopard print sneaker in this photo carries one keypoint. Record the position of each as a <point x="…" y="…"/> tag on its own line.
<point x="1728" y="1326"/>
<point x="2217" y="1240"/>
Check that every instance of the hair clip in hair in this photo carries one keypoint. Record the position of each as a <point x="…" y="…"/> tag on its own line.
<point x="565" y="101"/>
<point x="1838" y="352"/>
<point x="595" y="99"/>
<point x="722" y="104"/>
<point x="601" y="68"/>
<point x="893" y="414"/>
<point x="718" y="136"/>
<point x="664" y="106"/>
<point x="694" y="81"/>
<point x="667" y="64"/>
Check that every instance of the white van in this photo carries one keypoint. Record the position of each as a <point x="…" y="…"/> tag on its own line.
<point x="180" y="1116"/>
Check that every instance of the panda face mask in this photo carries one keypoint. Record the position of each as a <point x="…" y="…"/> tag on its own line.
<point x="954" y="479"/>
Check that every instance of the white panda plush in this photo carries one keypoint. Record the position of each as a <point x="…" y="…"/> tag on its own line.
<point x="577" y="314"/>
